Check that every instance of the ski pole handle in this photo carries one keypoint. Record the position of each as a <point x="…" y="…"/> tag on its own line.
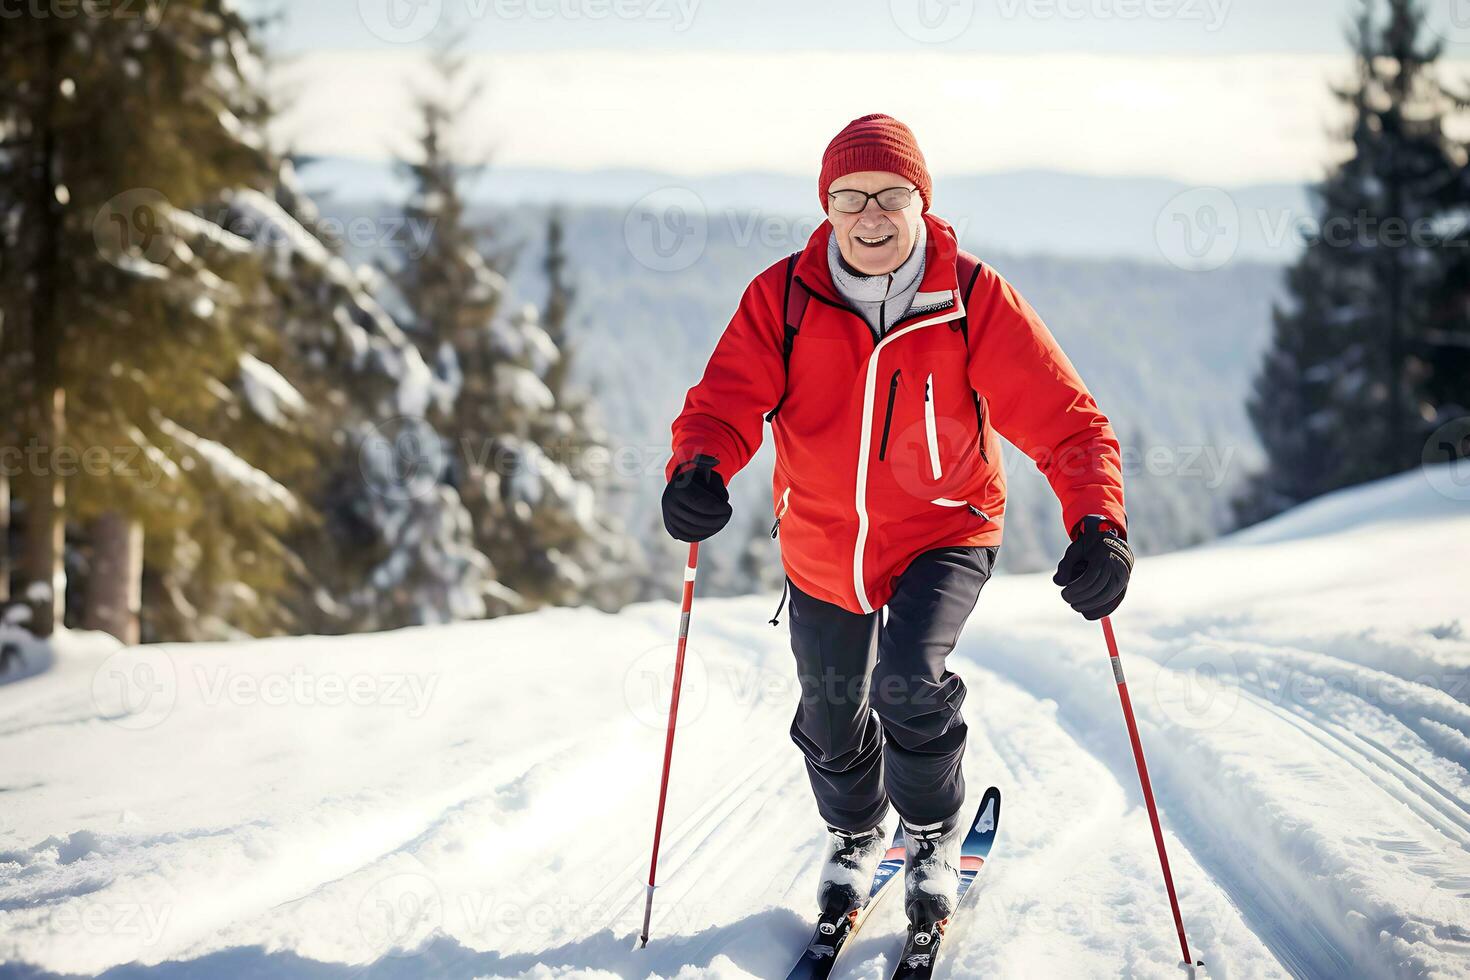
<point x="663" y="788"/>
<point x="1148" y="790"/>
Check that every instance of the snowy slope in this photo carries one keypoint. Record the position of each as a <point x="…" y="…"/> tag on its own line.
<point x="476" y="800"/>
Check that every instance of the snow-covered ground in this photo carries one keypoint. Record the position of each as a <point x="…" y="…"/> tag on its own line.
<point x="476" y="800"/>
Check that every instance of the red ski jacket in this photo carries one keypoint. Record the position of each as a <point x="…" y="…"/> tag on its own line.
<point x="888" y="448"/>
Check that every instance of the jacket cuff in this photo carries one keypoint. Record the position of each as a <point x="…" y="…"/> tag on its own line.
<point x="685" y="455"/>
<point x="1104" y="523"/>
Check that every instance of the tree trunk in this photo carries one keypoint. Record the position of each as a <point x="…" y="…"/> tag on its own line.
<point x="45" y="575"/>
<point x="42" y="569"/>
<point x="114" y="597"/>
<point x="4" y="538"/>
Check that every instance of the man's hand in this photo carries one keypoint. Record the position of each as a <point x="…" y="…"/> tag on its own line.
<point x="696" y="503"/>
<point x="1094" y="572"/>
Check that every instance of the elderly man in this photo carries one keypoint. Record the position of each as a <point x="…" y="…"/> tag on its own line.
<point x="890" y="364"/>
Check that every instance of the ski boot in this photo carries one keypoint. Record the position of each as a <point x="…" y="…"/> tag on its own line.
<point x="848" y="870"/>
<point x="931" y="876"/>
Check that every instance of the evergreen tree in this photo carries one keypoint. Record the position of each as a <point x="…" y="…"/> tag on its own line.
<point x="578" y="444"/>
<point x="561" y="296"/>
<point x="394" y="545"/>
<point x="133" y="335"/>
<point x="516" y="444"/>
<point x="264" y="450"/>
<point x="450" y="295"/>
<point x="1363" y="361"/>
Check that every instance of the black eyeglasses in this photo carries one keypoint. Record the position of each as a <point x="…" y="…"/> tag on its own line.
<point x="889" y="199"/>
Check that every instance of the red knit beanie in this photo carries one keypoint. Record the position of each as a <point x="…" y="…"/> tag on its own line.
<point x="875" y="142"/>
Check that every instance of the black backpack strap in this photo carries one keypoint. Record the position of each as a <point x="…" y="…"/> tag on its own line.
<point x="794" y="305"/>
<point x="967" y="268"/>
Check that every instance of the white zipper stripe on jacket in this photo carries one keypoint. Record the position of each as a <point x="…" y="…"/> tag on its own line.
<point x="931" y="428"/>
<point x="869" y="395"/>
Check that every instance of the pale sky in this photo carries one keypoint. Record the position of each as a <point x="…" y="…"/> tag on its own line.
<point x="1205" y="91"/>
<point x="1014" y="26"/>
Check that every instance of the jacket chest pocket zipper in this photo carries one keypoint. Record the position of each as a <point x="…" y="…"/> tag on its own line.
<point x="888" y="416"/>
<point x="980" y="422"/>
<point x="931" y="428"/>
<point x="785" y="503"/>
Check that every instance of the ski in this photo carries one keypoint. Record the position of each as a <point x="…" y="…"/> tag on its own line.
<point x="922" y="945"/>
<point x="833" y="931"/>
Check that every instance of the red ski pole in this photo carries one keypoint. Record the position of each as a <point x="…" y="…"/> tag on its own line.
<point x="663" y="788"/>
<point x="1148" y="790"/>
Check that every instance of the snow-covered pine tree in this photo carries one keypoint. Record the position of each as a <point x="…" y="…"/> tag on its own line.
<point x="509" y="434"/>
<point x="394" y="546"/>
<point x="556" y="315"/>
<point x="450" y="296"/>
<point x="134" y="335"/>
<point x="575" y="441"/>
<point x="1359" y="371"/>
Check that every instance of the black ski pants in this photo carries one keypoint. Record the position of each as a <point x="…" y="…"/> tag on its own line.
<point x="879" y="718"/>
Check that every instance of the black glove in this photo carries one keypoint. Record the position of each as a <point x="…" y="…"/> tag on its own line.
<point x="1094" y="572"/>
<point x="696" y="503"/>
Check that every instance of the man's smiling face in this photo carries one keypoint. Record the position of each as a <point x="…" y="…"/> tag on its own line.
<point x="874" y="241"/>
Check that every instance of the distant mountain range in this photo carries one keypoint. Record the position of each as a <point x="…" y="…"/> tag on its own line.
<point x="1030" y="212"/>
